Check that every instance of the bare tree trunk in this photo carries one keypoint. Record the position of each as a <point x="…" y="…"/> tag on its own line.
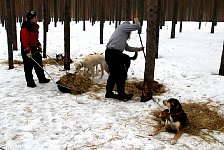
<point x="102" y="20"/>
<point x="116" y="13"/>
<point x="128" y="10"/>
<point x="62" y="11"/>
<point x="2" y="13"/>
<point x="181" y="16"/>
<point x="45" y="26"/>
<point x="157" y="29"/>
<point x="174" y="19"/>
<point x="221" y="69"/>
<point x="84" y="14"/>
<point x="151" y="46"/>
<point x="200" y="15"/>
<point x="55" y="12"/>
<point x="67" y="34"/>
<point x="163" y="13"/>
<point x="141" y="14"/>
<point x="14" y="32"/>
<point x="214" y="17"/>
<point x="93" y="17"/>
<point x="9" y="33"/>
<point x="31" y="5"/>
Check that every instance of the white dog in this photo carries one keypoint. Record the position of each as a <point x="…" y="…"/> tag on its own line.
<point x="90" y="62"/>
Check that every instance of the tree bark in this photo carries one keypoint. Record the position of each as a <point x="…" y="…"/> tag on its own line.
<point x="14" y="31"/>
<point x="128" y="10"/>
<point x="214" y="16"/>
<point x="45" y="28"/>
<point x="200" y="15"/>
<point x="9" y="34"/>
<point x="55" y="12"/>
<point x="221" y="69"/>
<point x="84" y="14"/>
<point x="151" y="46"/>
<point x="174" y="19"/>
<point x="67" y="34"/>
<point x="102" y="20"/>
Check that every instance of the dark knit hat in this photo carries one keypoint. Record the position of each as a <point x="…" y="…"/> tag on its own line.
<point x="30" y="15"/>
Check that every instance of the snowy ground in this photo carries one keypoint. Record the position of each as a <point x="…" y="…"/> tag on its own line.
<point x="43" y="118"/>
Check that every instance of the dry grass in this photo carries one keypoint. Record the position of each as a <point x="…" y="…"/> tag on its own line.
<point x="81" y="83"/>
<point x="78" y="83"/>
<point x="18" y="62"/>
<point x="137" y="87"/>
<point x="200" y="116"/>
<point x="52" y="61"/>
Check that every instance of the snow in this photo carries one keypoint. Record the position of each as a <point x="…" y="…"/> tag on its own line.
<point x="43" y="118"/>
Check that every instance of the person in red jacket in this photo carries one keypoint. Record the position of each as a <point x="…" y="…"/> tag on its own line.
<point x="30" y="50"/>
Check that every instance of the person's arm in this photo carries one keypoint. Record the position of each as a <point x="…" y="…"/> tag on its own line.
<point x="131" y="27"/>
<point x="25" y="40"/>
<point x="133" y="49"/>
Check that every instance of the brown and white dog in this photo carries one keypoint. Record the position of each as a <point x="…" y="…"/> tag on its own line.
<point x="90" y="62"/>
<point x="173" y="119"/>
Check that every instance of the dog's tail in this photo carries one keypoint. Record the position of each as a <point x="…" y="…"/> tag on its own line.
<point x="135" y="56"/>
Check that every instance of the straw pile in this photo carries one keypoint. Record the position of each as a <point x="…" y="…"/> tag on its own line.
<point x="137" y="87"/>
<point x="200" y="116"/>
<point x="78" y="83"/>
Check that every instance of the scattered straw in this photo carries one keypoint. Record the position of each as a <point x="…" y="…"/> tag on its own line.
<point x="200" y="116"/>
<point x="51" y="61"/>
<point x="137" y="87"/>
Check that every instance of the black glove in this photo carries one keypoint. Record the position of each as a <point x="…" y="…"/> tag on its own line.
<point x="39" y="48"/>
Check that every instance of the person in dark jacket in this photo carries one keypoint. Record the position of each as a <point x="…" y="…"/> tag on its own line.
<point x="30" y="50"/>
<point x="114" y="57"/>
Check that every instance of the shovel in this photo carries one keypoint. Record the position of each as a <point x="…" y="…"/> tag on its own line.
<point x="141" y="42"/>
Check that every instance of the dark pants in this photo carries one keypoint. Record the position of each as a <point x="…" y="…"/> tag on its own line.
<point x="29" y="64"/>
<point x="118" y="73"/>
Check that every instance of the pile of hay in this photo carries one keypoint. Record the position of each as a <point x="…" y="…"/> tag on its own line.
<point x="137" y="87"/>
<point x="200" y="116"/>
<point x="78" y="83"/>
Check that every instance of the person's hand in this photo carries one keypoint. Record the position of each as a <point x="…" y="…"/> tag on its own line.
<point x="39" y="48"/>
<point x="136" y="20"/>
<point x="28" y="52"/>
<point x="29" y="55"/>
<point x="141" y="49"/>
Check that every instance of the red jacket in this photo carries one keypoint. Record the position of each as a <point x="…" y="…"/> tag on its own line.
<point x="29" y="36"/>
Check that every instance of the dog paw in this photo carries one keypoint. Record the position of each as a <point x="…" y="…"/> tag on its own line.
<point x="173" y="141"/>
<point x="154" y="133"/>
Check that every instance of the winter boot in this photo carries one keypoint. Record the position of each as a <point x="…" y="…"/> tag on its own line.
<point x="32" y="85"/>
<point x="44" y="80"/>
